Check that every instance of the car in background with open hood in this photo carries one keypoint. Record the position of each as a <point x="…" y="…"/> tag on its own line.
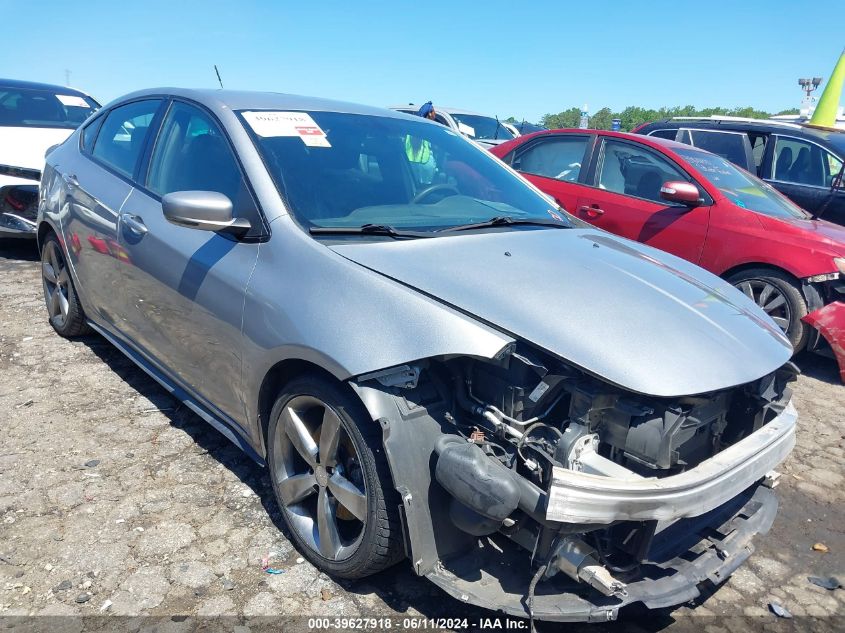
<point x="33" y="118"/>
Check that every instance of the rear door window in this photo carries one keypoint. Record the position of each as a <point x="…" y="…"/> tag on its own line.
<point x="728" y="145"/>
<point x="121" y="139"/>
<point x="633" y="170"/>
<point x="667" y="134"/>
<point x="89" y="133"/>
<point x="558" y="157"/>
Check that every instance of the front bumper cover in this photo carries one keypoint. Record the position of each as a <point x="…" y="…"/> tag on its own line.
<point x="684" y="556"/>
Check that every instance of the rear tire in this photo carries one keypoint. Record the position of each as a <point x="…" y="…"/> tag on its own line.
<point x="778" y="294"/>
<point x="63" y="307"/>
<point x="331" y="479"/>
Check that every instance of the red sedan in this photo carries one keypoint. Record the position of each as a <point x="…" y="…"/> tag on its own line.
<point x="703" y="208"/>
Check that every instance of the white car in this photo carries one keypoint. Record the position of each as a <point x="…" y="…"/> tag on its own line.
<point x="484" y="130"/>
<point x="33" y="118"/>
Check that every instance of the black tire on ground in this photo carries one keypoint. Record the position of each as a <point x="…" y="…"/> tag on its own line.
<point x="380" y="542"/>
<point x="63" y="309"/>
<point x="796" y="306"/>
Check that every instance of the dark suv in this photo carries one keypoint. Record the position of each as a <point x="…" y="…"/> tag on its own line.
<point x="801" y="162"/>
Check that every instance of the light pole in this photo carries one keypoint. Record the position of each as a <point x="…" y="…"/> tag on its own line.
<point x="808" y="103"/>
<point x="809" y="85"/>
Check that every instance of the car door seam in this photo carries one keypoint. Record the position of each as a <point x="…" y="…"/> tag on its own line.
<point x="243" y="313"/>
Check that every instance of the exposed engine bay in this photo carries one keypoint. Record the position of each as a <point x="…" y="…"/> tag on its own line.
<point x="581" y="476"/>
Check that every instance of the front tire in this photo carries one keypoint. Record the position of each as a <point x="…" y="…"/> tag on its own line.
<point x="331" y="479"/>
<point x="63" y="307"/>
<point x="779" y="297"/>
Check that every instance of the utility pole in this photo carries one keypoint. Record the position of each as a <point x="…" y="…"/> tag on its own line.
<point x="67" y="77"/>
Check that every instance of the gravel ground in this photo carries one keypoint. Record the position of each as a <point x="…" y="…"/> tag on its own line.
<point x="116" y="501"/>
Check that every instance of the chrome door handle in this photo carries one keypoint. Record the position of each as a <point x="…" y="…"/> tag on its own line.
<point x="135" y="224"/>
<point x="70" y="179"/>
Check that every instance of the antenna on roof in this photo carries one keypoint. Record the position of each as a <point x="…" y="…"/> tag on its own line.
<point x="218" y="76"/>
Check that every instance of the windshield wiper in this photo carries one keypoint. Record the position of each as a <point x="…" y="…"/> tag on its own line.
<point x="506" y="220"/>
<point x="367" y="229"/>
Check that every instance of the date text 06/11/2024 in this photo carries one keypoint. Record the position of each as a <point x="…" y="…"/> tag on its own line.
<point x="417" y="624"/>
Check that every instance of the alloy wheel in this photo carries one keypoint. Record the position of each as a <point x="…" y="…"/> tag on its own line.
<point x="319" y="479"/>
<point x="56" y="279"/>
<point x="770" y="299"/>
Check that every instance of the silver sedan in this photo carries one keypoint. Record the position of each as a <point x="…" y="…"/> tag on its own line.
<point x="432" y="360"/>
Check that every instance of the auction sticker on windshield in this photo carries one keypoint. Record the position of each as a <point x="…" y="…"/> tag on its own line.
<point x="72" y="101"/>
<point x="272" y="124"/>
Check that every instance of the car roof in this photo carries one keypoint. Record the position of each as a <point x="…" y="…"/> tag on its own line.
<point x="737" y="124"/>
<point x="639" y="138"/>
<point x="34" y="85"/>
<point x="216" y="99"/>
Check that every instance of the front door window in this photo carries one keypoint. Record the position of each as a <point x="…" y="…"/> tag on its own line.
<point x="192" y="154"/>
<point x="804" y="163"/>
<point x="633" y="170"/>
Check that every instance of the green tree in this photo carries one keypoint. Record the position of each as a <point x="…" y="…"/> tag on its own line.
<point x="567" y="118"/>
<point x="632" y="116"/>
<point x="602" y="120"/>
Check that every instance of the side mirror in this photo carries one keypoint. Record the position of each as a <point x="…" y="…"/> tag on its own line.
<point x="682" y="192"/>
<point x="203" y="210"/>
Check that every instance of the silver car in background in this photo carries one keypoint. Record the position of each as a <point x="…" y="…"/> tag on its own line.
<point x="432" y="361"/>
<point x="485" y="130"/>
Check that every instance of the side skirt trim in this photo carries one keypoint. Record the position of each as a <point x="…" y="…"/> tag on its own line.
<point x="227" y="428"/>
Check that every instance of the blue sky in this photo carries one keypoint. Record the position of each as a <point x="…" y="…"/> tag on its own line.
<point x="487" y="56"/>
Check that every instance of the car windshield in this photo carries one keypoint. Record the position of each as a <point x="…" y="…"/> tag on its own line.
<point x="349" y="170"/>
<point x="482" y="128"/>
<point x="741" y="188"/>
<point x="25" y="107"/>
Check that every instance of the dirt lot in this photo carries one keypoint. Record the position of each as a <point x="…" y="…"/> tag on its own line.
<point x="115" y="501"/>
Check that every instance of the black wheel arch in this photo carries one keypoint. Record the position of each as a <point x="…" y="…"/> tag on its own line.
<point x="45" y="227"/>
<point x="274" y="382"/>
<point x="760" y="266"/>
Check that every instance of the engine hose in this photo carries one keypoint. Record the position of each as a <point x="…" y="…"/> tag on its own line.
<point x="530" y="598"/>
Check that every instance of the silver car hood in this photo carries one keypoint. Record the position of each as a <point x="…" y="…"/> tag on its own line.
<point x="630" y="314"/>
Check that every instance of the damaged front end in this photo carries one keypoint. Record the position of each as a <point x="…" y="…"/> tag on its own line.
<point x="829" y="322"/>
<point x="533" y="488"/>
<point x="826" y="303"/>
<point x="19" y="203"/>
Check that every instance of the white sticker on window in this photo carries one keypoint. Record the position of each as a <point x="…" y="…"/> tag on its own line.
<point x="72" y="101"/>
<point x="273" y="124"/>
<point x="466" y="129"/>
